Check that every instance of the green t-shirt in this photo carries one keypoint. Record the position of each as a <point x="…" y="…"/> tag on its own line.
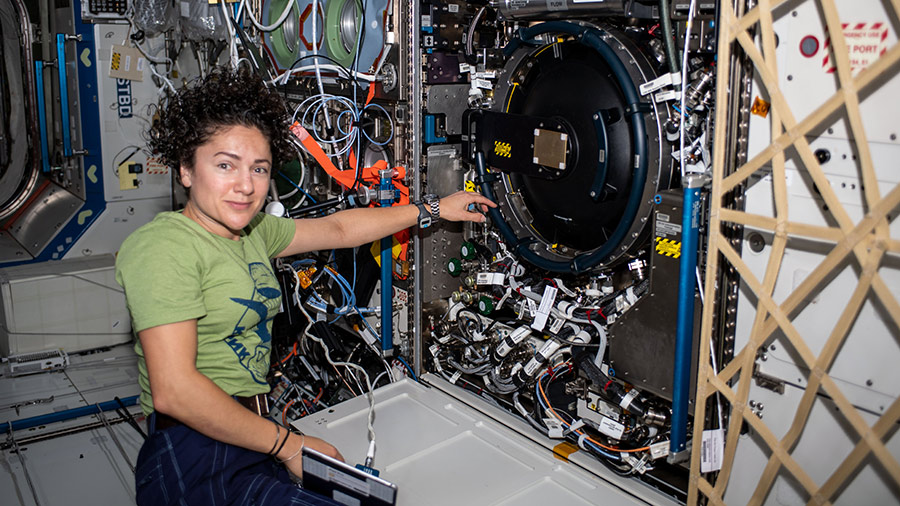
<point x="173" y="270"/>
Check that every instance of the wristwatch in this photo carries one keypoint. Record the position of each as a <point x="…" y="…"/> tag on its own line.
<point x="429" y="210"/>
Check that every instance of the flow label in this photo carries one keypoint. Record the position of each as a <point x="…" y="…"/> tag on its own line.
<point x="489" y="278"/>
<point x="612" y="428"/>
<point x="543" y="311"/>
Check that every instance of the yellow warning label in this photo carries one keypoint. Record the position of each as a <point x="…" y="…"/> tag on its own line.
<point x="470" y="186"/>
<point x="668" y="247"/>
<point x="503" y="149"/>
<point x="116" y="58"/>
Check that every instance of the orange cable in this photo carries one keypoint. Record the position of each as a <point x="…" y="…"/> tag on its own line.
<point x="284" y="412"/>
<point x="290" y="354"/>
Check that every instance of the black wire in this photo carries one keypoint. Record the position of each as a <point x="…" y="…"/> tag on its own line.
<point x="348" y="74"/>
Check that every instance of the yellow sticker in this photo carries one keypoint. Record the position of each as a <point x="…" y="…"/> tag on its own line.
<point x="563" y="450"/>
<point x="84" y="215"/>
<point x="760" y="107"/>
<point x="503" y="149"/>
<point x="668" y="247"/>
<point x="470" y="186"/>
<point x="376" y="250"/>
<point x="127" y="179"/>
<point x="92" y="174"/>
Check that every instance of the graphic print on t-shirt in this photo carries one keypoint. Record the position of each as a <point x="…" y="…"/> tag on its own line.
<point x="257" y="309"/>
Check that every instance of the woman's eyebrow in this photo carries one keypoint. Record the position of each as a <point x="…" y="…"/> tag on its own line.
<point x="237" y="157"/>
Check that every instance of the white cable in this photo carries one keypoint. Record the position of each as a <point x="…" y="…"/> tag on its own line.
<point x="712" y="356"/>
<point x="377" y="378"/>
<point x="302" y="178"/>
<point x="273" y="26"/>
<point x="700" y="285"/>
<point x="371" y="419"/>
<point x="232" y="44"/>
<point x="315" y="43"/>
<point x="684" y="85"/>
<point x="328" y="67"/>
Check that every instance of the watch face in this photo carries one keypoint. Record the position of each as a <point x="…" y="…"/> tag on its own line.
<point x="425" y="222"/>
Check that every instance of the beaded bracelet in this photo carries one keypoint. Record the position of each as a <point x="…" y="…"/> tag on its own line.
<point x="277" y="437"/>
<point x="302" y="444"/>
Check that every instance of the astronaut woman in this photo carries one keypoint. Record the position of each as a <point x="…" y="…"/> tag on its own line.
<point x="202" y="295"/>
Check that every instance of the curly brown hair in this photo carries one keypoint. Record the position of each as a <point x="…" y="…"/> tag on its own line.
<point x="223" y="98"/>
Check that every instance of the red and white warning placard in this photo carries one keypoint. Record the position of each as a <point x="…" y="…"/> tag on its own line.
<point x="866" y="42"/>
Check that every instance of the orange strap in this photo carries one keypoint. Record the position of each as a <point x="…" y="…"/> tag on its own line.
<point x="347" y="178"/>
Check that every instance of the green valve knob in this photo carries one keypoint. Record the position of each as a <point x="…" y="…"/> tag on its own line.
<point x="454" y="267"/>
<point x="485" y="305"/>
<point x="467" y="250"/>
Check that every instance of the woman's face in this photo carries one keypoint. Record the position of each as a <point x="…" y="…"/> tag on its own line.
<point x="229" y="180"/>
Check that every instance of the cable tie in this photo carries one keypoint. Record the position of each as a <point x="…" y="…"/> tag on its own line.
<point x="574" y="427"/>
<point x="581" y="439"/>
<point x="607" y="385"/>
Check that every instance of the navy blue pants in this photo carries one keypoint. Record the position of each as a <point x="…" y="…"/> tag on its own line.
<point x="180" y="466"/>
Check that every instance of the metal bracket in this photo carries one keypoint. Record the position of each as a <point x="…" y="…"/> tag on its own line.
<point x="768" y="382"/>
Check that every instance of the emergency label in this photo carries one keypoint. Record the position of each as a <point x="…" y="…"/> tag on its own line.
<point x="668" y="247"/>
<point x="503" y="149"/>
<point x="866" y="42"/>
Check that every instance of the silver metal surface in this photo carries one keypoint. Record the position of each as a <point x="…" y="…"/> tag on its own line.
<point x="440" y="243"/>
<point x="10" y="249"/>
<point x="72" y="462"/>
<point x="413" y="72"/>
<point x="53" y="208"/>
<point x="445" y="446"/>
<point x="18" y="451"/>
<point x="543" y="9"/>
<point x="20" y="171"/>
<point x="102" y="418"/>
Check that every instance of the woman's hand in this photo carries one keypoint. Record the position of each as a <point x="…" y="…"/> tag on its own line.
<point x="465" y="206"/>
<point x="295" y="465"/>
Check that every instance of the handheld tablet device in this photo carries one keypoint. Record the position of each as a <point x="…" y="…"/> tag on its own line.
<point x="344" y="483"/>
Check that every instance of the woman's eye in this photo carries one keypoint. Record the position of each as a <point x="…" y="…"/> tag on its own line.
<point x="261" y="170"/>
<point x="223" y="165"/>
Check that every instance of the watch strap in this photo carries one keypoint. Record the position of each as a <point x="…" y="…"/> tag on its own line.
<point x="425" y="217"/>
